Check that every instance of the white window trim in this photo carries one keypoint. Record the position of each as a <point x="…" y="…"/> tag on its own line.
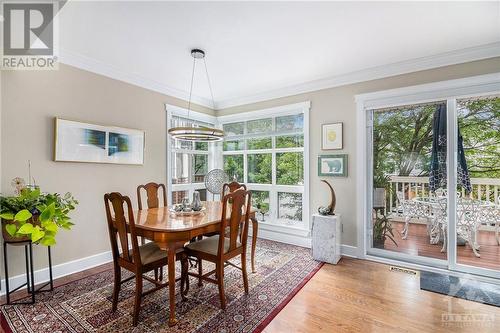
<point x="449" y="91"/>
<point x="275" y="229"/>
<point x="274" y="223"/>
<point x="173" y="110"/>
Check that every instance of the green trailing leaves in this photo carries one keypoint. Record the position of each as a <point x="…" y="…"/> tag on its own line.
<point x="11" y="229"/>
<point x="26" y="229"/>
<point x="37" y="215"/>
<point x="48" y="241"/>
<point x="37" y="234"/>
<point x="48" y="212"/>
<point x="7" y="216"/>
<point x="50" y="226"/>
<point x="23" y="215"/>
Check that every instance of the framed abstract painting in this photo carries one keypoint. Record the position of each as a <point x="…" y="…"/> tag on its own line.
<point x="76" y="141"/>
<point x="332" y="165"/>
<point x="332" y="136"/>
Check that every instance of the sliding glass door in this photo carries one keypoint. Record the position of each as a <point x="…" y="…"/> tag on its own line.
<point x="434" y="183"/>
<point x="405" y="222"/>
<point x="477" y="245"/>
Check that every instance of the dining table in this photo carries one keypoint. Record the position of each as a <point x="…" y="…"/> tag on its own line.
<point x="171" y="231"/>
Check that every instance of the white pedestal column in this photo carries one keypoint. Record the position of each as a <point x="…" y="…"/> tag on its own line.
<point x="326" y="238"/>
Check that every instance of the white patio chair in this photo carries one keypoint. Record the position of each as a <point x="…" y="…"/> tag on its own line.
<point x="468" y="222"/>
<point x="439" y="221"/>
<point x="408" y="209"/>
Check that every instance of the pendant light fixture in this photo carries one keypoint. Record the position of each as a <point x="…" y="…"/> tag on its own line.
<point x="195" y="132"/>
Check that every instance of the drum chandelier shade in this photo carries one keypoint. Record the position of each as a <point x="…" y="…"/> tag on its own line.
<point x="194" y="132"/>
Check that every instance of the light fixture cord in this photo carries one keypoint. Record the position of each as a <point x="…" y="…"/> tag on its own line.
<point x="209" y="84"/>
<point x="191" y="89"/>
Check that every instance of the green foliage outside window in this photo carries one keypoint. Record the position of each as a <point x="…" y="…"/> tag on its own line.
<point x="260" y="143"/>
<point x="289" y="168"/>
<point x="290" y="141"/>
<point x="479" y="122"/>
<point x="260" y="200"/>
<point x="200" y="168"/>
<point x="259" y="168"/>
<point x="402" y="139"/>
<point x="233" y="166"/>
<point x="201" y="146"/>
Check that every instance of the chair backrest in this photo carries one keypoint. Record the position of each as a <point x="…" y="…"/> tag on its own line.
<point x="152" y="190"/>
<point x="232" y="186"/>
<point x="235" y="215"/>
<point x="117" y="226"/>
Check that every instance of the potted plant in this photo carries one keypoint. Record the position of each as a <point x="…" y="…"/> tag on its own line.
<point x="263" y="209"/>
<point x="382" y="229"/>
<point x="36" y="216"/>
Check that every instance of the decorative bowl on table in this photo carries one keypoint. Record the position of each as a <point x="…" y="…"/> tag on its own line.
<point x="184" y="210"/>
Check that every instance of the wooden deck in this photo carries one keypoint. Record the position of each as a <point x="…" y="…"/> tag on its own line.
<point x="418" y="244"/>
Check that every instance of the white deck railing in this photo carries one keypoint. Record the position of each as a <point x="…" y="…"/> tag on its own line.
<point x="482" y="188"/>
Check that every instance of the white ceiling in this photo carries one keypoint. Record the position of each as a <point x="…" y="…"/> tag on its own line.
<point x="256" y="48"/>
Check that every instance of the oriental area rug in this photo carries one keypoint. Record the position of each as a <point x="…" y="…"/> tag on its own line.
<point x="85" y="305"/>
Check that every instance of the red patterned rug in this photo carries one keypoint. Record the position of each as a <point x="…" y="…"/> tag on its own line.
<point x="85" y="305"/>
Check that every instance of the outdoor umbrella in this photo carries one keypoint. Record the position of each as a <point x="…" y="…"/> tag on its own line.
<point x="437" y="174"/>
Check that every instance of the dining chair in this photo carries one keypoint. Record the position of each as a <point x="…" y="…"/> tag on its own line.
<point x="152" y="190"/>
<point x="134" y="258"/>
<point x="231" y="187"/>
<point x="219" y="249"/>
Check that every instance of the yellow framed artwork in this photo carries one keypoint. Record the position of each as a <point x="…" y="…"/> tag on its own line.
<point x="332" y="136"/>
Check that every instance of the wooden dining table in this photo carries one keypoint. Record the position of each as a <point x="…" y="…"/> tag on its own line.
<point x="171" y="232"/>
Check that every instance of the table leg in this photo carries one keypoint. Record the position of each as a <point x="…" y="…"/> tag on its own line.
<point x="171" y="283"/>
<point x="255" y="227"/>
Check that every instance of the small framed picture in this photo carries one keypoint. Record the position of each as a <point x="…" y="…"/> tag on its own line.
<point x="332" y="165"/>
<point x="331" y="136"/>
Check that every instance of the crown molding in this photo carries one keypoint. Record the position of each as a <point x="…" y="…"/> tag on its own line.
<point x="444" y="59"/>
<point x="80" y="61"/>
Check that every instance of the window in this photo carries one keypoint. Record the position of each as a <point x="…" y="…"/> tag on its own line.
<point x="267" y="154"/>
<point x="189" y="162"/>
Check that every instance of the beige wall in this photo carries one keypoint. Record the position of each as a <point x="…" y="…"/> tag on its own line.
<point x="31" y="99"/>
<point x="338" y="105"/>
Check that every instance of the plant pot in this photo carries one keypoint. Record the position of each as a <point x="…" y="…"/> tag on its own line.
<point x="378" y="243"/>
<point x="13" y="239"/>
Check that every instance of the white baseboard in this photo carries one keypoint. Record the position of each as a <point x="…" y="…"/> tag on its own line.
<point x="349" y="251"/>
<point x="285" y="238"/>
<point x="60" y="270"/>
<point x="345" y="250"/>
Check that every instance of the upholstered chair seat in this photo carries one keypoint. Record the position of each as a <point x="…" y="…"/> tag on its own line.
<point x="210" y="245"/>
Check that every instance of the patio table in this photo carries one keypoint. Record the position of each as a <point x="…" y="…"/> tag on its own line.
<point x="434" y="209"/>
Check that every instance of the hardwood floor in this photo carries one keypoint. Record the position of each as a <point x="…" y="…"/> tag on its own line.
<point x="418" y="243"/>
<point x="363" y="296"/>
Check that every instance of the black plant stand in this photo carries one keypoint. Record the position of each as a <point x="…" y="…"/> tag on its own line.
<point x="30" y="276"/>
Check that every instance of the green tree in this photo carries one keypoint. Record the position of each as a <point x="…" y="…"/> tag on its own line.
<point x="402" y="139"/>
